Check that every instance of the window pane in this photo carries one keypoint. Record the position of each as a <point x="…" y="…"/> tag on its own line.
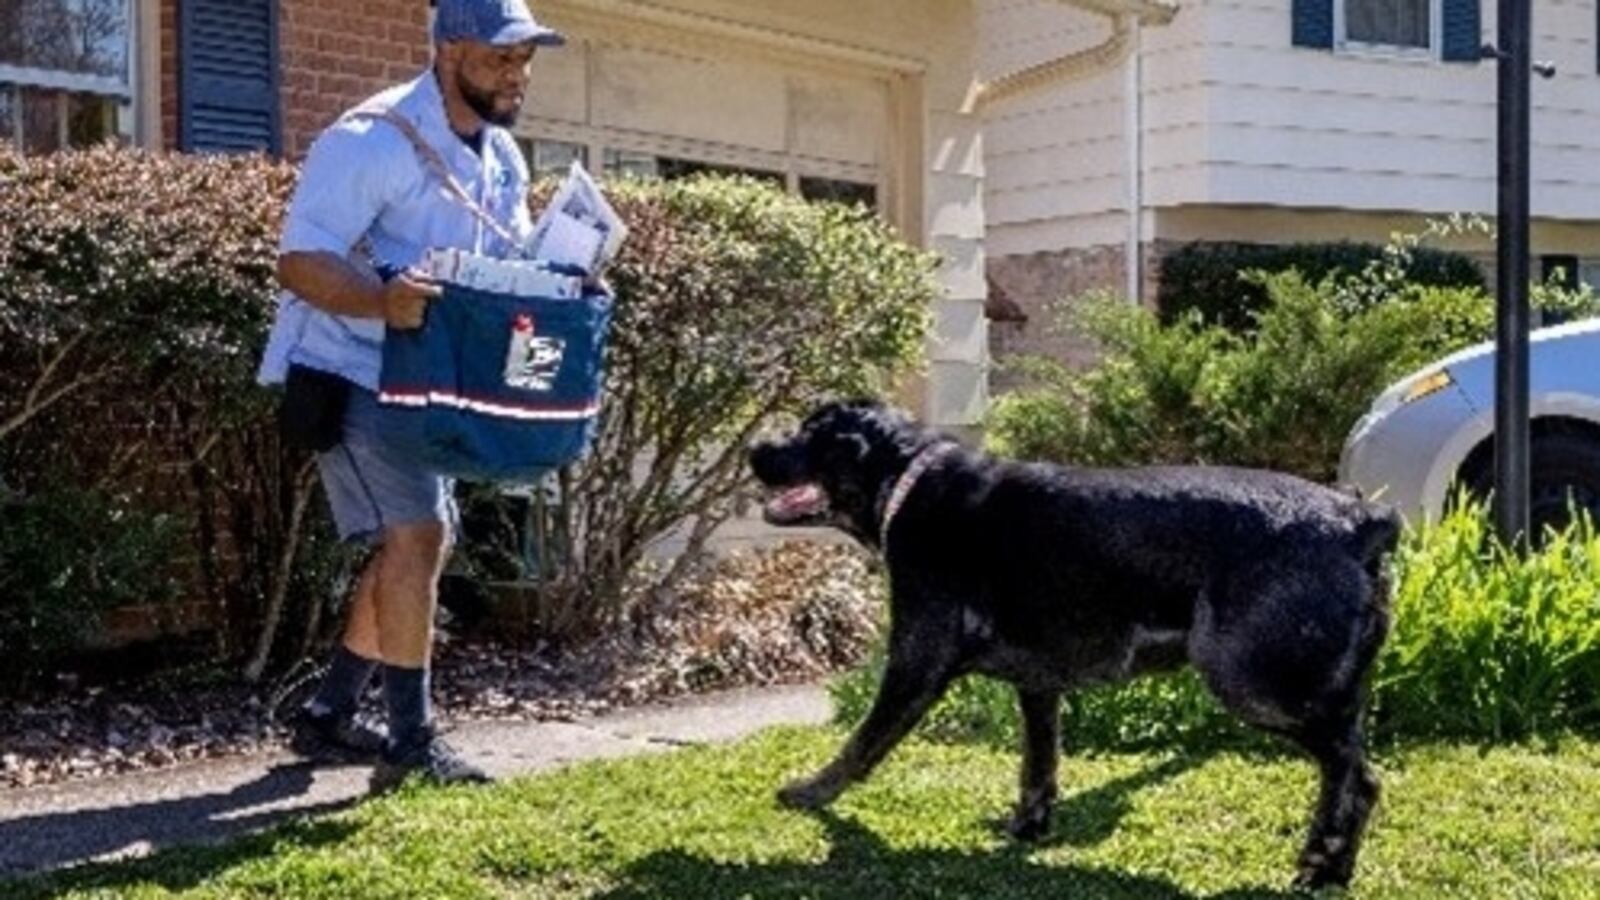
<point x="851" y="192"/>
<point x="553" y="157"/>
<point x="91" y="119"/>
<point x="672" y="169"/>
<point x="41" y="120"/>
<point x="85" y="37"/>
<point x="645" y="165"/>
<point x="628" y="163"/>
<point x="1401" y="23"/>
<point x="1589" y="273"/>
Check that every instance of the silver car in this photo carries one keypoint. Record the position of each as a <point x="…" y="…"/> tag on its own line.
<point x="1436" y="427"/>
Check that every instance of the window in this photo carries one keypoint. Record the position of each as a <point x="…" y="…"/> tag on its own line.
<point x="834" y="190"/>
<point x="816" y="180"/>
<point x="626" y="163"/>
<point x="645" y="165"/>
<point x="65" y="72"/>
<point x="1589" y="273"/>
<point x="552" y="158"/>
<point x="1406" y="24"/>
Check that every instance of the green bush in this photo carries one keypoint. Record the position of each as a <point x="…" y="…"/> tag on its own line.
<point x="1489" y="643"/>
<point x="1282" y="396"/>
<point x="1152" y="712"/>
<point x="135" y="294"/>
<point x="136" y="291"/>
<point x="1484" y="645"/>
<point x="67" y="556"/>
<point x="737" y="303"/>
<point x="1205" y="278"/>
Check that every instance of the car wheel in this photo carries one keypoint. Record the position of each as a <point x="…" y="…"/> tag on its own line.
<point x="1563" y="475"/>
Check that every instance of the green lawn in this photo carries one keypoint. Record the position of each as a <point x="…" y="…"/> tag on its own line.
<point x="1455" y="822"/>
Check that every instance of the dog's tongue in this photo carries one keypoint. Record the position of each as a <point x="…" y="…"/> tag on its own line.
<point x="796" y="502"/>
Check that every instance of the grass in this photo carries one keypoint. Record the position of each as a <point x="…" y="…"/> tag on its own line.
<point x="1456" y="821"/>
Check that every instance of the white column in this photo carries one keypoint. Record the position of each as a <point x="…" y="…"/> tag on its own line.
<point x="958" y="384"/>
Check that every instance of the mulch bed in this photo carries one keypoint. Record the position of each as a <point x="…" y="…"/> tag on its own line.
<point x="789" y="614"/>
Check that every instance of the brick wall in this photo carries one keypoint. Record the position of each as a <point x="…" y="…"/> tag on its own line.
<point x="1042" y="286"/>
<point x="335" y="55"/>
<point x="169" y="73"/>
<point x="332" y="56"/>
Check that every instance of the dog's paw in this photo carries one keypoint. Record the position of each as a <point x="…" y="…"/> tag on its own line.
<point x="807" y="794"/>
<point x="1029" y="824"/>
<point x="1318" y="873"/>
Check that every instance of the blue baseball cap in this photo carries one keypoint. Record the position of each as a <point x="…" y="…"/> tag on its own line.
<point x="500" y="23"/>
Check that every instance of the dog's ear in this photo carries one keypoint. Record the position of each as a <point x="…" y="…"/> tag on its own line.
<point x="849" y="448"/>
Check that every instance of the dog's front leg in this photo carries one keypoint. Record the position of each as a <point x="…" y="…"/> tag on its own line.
<point x="922" y="663"/>
<point x="1041" y="752"/>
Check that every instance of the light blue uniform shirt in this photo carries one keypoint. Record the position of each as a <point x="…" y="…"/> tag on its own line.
<point x="364" y="179"/>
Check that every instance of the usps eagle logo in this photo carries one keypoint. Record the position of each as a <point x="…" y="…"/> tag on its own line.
<point x="533" y="360"/>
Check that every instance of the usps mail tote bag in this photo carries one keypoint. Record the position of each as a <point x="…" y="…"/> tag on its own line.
<point x="496" y="387"/>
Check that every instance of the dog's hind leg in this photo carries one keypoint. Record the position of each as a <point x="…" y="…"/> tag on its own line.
<point x="1041" y="753"/>
<point x="924" y="650"/>
<point x="1285" y="644"/>
<point x="1347" y="795"/>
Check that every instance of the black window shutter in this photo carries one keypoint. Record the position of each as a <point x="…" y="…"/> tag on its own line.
<point x="228" y="83"/>
<point x="1313" y="23"/>
<point x="1463" y="30"/>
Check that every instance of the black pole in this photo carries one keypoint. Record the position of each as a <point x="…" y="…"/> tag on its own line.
<point x="1511" y="449"/>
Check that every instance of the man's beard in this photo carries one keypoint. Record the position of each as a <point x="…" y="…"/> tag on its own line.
<point x="482" y="103"/>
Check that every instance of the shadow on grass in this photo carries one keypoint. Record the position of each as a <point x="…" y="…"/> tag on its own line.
<point x="66" y="838"/>
<point x="860" y="865"/>
<point x="1090" y="817"/>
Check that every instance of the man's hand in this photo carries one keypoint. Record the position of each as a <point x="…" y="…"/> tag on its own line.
<point x="596" y="282"/>
<point x="405" y="299"/>
<point x="338" y="285"/>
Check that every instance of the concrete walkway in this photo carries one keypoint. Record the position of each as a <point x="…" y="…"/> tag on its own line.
<point x="52" y="827"/>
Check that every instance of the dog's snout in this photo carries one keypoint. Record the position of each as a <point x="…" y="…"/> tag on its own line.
<point x="774" y="462"/>
<point x="759" y="456"/>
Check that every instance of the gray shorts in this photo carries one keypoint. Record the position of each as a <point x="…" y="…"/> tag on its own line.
<point x="371" y="486"/>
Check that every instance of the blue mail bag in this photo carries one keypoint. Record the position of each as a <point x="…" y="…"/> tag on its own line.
<point x="496" y="387"/>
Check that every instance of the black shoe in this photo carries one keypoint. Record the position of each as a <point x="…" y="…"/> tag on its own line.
<point x="428" y="757"/>
<point x="335" y="738"/>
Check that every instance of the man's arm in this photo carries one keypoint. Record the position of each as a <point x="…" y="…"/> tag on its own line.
<point x="351" y="174"/>
<point x="333" y="284"/>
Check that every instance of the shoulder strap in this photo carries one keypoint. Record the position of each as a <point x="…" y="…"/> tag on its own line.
<point x="435" y="163"/>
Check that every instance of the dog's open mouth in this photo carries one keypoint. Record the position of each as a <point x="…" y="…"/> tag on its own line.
<point x="799" y="505"/>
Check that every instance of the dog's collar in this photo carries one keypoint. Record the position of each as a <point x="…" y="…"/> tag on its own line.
<point x="908" y="480"/>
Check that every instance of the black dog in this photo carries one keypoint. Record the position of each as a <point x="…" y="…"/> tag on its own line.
<point x="1051" y="578"/>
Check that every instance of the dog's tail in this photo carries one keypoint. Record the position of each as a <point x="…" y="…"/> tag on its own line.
<point x="1377" y="534"/>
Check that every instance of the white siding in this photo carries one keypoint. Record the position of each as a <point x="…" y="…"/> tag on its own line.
<point x="1236" y="115"/>
<point x="1308" y="128"/>
<point x="1058" y="156"/>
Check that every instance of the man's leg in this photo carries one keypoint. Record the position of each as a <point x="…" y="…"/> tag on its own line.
<point x="327" y="727"/>
<point x="409" y="565"/>
<point x="408" y="591"/>
<point x="381" y="496"/>
<point x="361" y="627"/>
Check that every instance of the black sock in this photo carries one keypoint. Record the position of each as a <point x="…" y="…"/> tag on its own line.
<point x="409" y="711"/>
<point x="340" y="692"/>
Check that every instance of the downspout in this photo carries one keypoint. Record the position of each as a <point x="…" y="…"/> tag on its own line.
<point x="1082" y="64"/>
<point x="1127" y="19"/>
<point x="1133" y="252"/>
